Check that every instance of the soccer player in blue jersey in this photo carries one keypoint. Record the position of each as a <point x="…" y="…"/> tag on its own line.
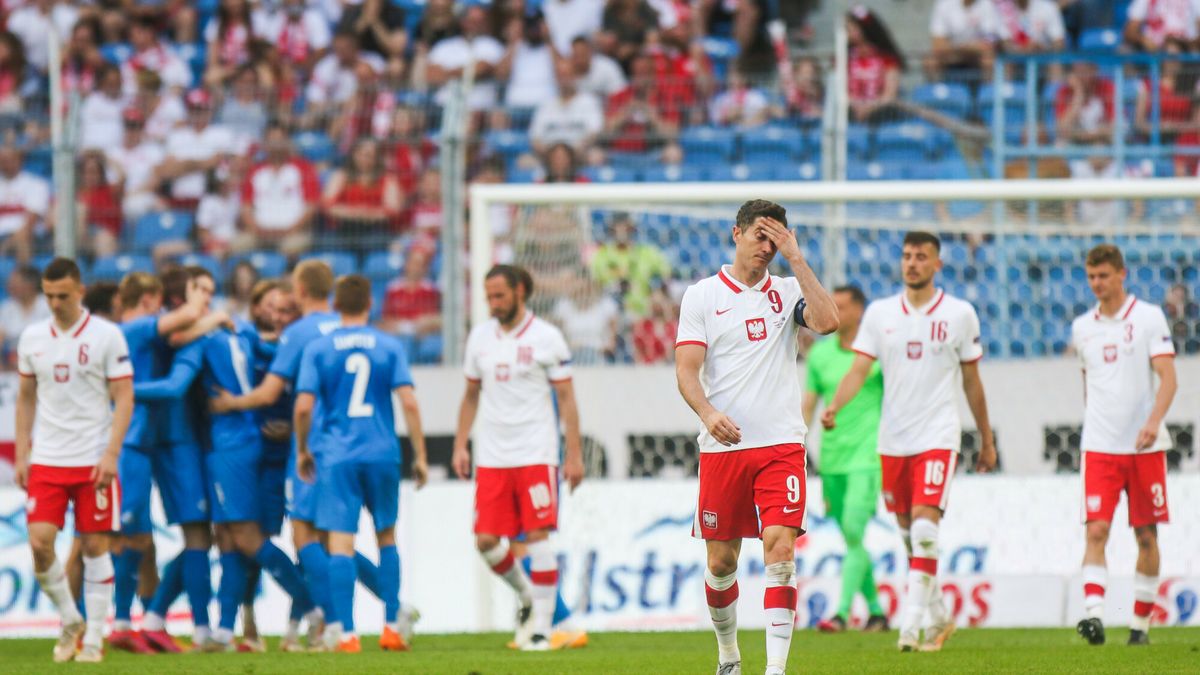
<point x="224" y="359"/>
<point x="349" y="377"/>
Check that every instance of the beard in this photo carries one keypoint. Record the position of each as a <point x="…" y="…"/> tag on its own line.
<point x="506" y="316"/>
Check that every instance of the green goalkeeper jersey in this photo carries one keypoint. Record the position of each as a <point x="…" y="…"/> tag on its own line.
<point x="850" y="446"/>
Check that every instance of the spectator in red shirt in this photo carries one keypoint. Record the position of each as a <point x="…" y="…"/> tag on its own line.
<point x="362" y="201"/>
<point x="1175" y="92"/>
<point x="804" y="88"/>
<point x="643" y="114"/>
<point x="1083" y="108"/>
<point x="412" y="308"/>
<point x="411" y="148"/>
<point x="425" y="215"/>
<point x="12" y="73"/>
<point x="82" y="59"/>
<point x="228" y="37"/>
<point x="682" y="69"/>
<point x="654" y="336"/>
<point x="875" y="64"/>
<point x="279" y="198"/>
<point x="99" y="205"/>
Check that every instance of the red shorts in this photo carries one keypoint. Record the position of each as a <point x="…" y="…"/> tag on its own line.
<point x="1143" y="477"/>
<point x="514" y="500"/>
<point x="52" y="487"/>
<point x="918" y="480"/>
<point x="743" y="492"/>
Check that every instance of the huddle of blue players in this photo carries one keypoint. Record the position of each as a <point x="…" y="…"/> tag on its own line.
<point x="236" y="424"/>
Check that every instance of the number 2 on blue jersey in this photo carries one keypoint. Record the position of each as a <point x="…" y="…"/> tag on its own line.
<point x="360" y="366"/>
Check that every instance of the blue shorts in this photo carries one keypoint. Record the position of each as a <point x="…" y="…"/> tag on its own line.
<point x="180" y="473"/>
<point x="135" y="469"/>
<point x="271" y="479"/>
<point x="301" y="497"/>
<point x="344" y="488"/>
<point x="233" y="479"/>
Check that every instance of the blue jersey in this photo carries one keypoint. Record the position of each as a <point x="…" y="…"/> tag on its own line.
<point x="352" y="373"/>
<point x="280" y="411"/>
<point x="295" y="338"/>
<point x="141" y="334"/>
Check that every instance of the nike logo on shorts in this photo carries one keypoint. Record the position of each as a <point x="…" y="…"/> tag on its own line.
<point x="1161" y="512"/>
<point x="930" y="493"/>
<point x="787" y="510"/>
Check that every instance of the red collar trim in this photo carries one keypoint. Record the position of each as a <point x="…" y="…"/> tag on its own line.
<point x="728" y="282"/>
<point x="87" y="316"/>
<point x="736" y="287"/>
<point x="1129" y="303"/>
<point x="903" y="304"/>
<point x="767" y="285"/>
<point x="941" y="296"/>
<point x="528" y="323"/>
<point x="1127" y="311"/>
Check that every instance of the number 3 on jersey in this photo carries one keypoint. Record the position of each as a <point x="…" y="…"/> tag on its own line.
<point x="359" y="366"/>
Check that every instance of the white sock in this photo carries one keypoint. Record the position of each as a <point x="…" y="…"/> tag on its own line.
<point x="333" y="634"/>
<point x="501" y="560"/>
<point x="201" y="634"/>
<point x="293" y="631"/>
<point x="543" y="566"/>
<point x="151" y="621"/>
<point x="54" y="584"/>
<point x="223" y="635"/>
<point x="121" y="625"/>
<point x="922" y="574"/>
<point x="1144" y="589"/>
<point x="722" y="593"/>
<point x="779" y="601"/>
<point x="97" y="596"/>
<point x="1095" y="580"/>
<point x="907" y="540"/>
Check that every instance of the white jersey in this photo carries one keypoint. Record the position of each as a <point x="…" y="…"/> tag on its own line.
<point x="750" y="371"/>
<point x="73" y="369"/>
<point x="920" y="352"/>
<point x="517" y="425"/>
<point x="1115" y="352"/>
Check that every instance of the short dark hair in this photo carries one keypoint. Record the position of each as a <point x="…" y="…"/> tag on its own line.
<point x="29" y="274"/>
<point x="1105" y="253"/>
<point x="855" y="293"/>
<point x="61" y="268"/>
<point x="921" y="237"/>
<point x="99" y="298"/>
<point x="197" y="271"/>
<point x="174" y="283"/>
<point x="759" y="208"/>
<point x="514" y="275"/>
<point x="352" y="294"/>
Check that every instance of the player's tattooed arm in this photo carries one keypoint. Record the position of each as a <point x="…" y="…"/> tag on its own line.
<point x="688" y="360"/>
<point x="1164" y="367"/>
<point x="416" y="433"/>
<point x="573" y="462"/>
<point x="820" y="313"/>
<point x="26" y="407"/>
<point x="461" y="460"/>
<point x="851" y="383"/>
<point x="973" y="388"/>
<point x="302" y="412"/>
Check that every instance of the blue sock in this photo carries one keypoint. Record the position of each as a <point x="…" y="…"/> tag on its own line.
<point x="125" y="571"/>
<point x="316" y="576"/>
<point x="341" y="586"/>
<point x="145" y="601"/>
<point x="170" y="586"/>
<point x="389" y="581"/>
<point x="368" y="573"/>
<point x="197" y="581"/>
<point x="281" y="567"/>
<point x="232" y="588"/>
<point x="253" y="579"/>
<point x="561" y="611"/>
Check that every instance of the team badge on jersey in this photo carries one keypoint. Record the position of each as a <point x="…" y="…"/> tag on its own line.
<point x="1110" y="353"/>
<point x="914" y="350"/>
<point x="756" y="329"/>
<point x="502" y="373"/>
<point x="709" y="520"/>
<point x="62" y="372"/>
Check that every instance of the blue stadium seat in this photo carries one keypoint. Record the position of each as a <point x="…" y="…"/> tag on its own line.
<point x="117" y="53"/>
<point x="340" y="262"/>
<point x="951" y="98"/>
<point x="39" y="161"/>
<point x="793" y="171"/>
<point x="268" y="263"/>
<point x="876" y="171"/>
<point x="610" y="174"/>
<point x="117" y="266"/>
<point x="772" y="144"/>
<point x="507" y="143"/>
<point x="635" y="161"/>
<point x="1100" y="40"/>
<point x="157" y="227"/>
<point x="912" y="141"/>
<point x="1013" y="101"/>
<point x="206" y="261"/>
<point x="673" y="174"/>
<point x="741" y="172"/>
<point x="858" y="140"/>
<point x="315" y="146"/>
<point x="712" y="143"/>
<point x="383" y="266"/>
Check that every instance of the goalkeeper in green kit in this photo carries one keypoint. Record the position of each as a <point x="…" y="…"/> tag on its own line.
<point x="849" y="464"/>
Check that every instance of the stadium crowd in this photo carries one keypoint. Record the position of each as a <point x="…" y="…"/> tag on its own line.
<point x="243" y="135"/>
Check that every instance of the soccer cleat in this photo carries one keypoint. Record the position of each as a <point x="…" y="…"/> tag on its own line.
<point x="936" y="636"/>
<point x="291" y="645"/>
<point x="524" y="625"/>
<point x="731" y="668"/>
<point x="835" y="625"/>
<point x="67" y="645"/>
<point x="161" y="641"/>
<point x="1138" y="637"/>
<point x="774" y="671"/>
<point x="130" y="641"/>
<point x="316" y="629"/>
<point x="568" y="639"/>
<point x="406" y="622"/>
<point x="391" y="641"/>
<point x="536" y="643"/>
<point x="876" y="623"/>
<point x="214" y="646"/>
<point x="349" y="645"/>
<point x="252" y="646"/>
<point x="908" y="642"/>
<point x="1092" y="630"/>
<point x="90" y="654"/>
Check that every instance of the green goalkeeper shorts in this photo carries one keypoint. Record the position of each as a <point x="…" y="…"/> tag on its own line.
<point x="857" y="490"/>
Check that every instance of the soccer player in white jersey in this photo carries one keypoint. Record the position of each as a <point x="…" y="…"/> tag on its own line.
<point x="740" y="326"/>
<point x="927" y="344"/>
<point x="73" y="408"/>
<point x="1122" y="344"/>
<point x="515" y="363"/>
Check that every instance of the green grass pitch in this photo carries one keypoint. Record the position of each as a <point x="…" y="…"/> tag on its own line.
<point x="1175" y="650"/>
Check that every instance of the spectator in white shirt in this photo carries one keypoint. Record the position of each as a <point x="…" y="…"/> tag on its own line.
<point x="740" y="104"/>
<point x="300" y="34"/>
<point x="449" y="57"/>
<point x="569" y="19"/>
<point x="193" y="149"/>
<point x="964" y="36"/>
<point x="334" y="79"/>
<point x="100" y="116"/>
<point x="279" y="197"/>
<point x="528" y="64"/>
<point x="164" y="110"/>
<point x="33" y="23"/>
<point x="1031" y="26"/>
<point x="572" y="117"/>
<point x="596" y="74"/>
<point x="1150" y="24"/>
<point x="150" y="54"/>
<point x="218" y="212"/>
<point x="24" y="305"/>
<point x="24" y="203"/>
<point x="589" y="321"/>
<point x="137" y="160"/>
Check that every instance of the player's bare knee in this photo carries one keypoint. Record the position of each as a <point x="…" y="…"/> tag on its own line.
<point x="722" y="562"/>
<point x="486" y="542"/>
<point x="96" y="544"/>
<point x="779" y="544"/>
<point x="1097" y="533"/>
<point x="1147" y="537"/>
<point x="43" y="552"/>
